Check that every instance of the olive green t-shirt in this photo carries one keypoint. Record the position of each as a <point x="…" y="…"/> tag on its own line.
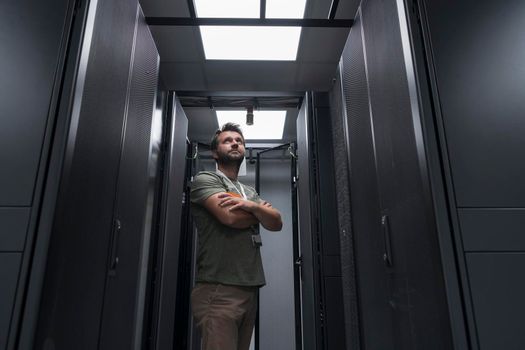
<point x="225" y="255"/>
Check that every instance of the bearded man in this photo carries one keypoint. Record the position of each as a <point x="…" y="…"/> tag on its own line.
<point x="229" y="267"/>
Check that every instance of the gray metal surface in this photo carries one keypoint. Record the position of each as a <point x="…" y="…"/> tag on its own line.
<point x="27" y="68"/>
<point x="498" y="288"/>
<point x="9" y="266"/>
<point x="492" y="229"/>
<point x="32" y="66"/>
<point x="479" y="113"/>
<point x="13" y="228"/>
<point x="481" y="96"/>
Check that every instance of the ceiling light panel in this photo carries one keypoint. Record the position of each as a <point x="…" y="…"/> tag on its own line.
<point x="228" y="8"/>
<point x="285" y="9"/>
<point x="267" y="125"/>
<point x="250" y="43"/>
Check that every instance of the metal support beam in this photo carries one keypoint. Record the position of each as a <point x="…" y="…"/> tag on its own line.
<point x="263" y="8"/>
<point x="277" y="22"/>
<point x="240" y="93"/>
<point x="333" y="9"/>
<point x="191" y="9"/>
<point x="259" y="103"/>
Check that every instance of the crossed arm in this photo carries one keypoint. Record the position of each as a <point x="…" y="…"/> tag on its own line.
<point x="241" y="213"/>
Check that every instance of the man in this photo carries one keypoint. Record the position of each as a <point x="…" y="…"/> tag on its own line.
<point x="230" y="273"/>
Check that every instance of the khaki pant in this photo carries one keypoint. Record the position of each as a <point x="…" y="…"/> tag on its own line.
<point x="225" y="315"/>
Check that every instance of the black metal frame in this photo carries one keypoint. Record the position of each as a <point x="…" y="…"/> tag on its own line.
<point x="191" y="9"/>
<point x="454" y="266"/>
<point x="260" y="22"/>
<point x="295" y="239"/>
<point x="263" y="8"/>
<point x="333" y="9"/>
<point x="152" y="295"/>
<point x="332" y="12"/>
<point x="240" y="102"/>
<point x="240" y="94"/>
<point x="51" y="172"/>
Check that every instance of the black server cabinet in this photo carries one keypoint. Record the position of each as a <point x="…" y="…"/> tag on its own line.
<point x="93" y="269"/>
<point x="307" y="229"/>
<point x="129" y="247"/>
<point x="402" y="296"/>
<point x="323" y="318"/>
<point x="170" y="278"/>
<point x="363" y="256"/>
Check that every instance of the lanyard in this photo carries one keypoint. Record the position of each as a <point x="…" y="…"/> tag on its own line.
<point x="241" y="191"/>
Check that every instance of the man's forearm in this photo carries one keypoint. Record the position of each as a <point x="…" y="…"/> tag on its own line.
<point x="269" y="217"/>
<point x="241" y="219"/>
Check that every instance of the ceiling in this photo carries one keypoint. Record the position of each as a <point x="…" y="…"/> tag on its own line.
<point x="184" y="68"/>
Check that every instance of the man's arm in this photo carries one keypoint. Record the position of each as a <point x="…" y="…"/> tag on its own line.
<point x="268" y="216"/>
<point x="233" y="218"/>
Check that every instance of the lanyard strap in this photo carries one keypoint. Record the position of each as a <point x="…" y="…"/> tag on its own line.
<point x="241" y="191"/>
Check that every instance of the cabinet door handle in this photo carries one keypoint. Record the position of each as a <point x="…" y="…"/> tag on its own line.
<point x="385" y="226"/>
<point x="113" y="258"/>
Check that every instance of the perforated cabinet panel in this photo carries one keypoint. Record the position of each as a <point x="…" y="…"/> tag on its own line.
<point x="348" y="277"/>
<point x="418" y="301"/>
<point x="375" y="317"/>
<point x="122" y="288"/>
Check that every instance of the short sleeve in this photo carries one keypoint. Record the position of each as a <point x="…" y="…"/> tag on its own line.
<point x="253" y="195"/>
<point x="205" y="185"/>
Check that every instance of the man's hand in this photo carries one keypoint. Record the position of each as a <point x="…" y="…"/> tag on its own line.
<point x="233" y="203"/>
<point x="269" y="217"/>
<point x="235" y="219"/>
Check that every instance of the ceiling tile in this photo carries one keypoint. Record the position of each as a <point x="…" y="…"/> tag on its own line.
<point x="165" y="8"/>
<point x="183" y="76"/>
<point x="316" y="76"/>
<point x="322" y="44"/>
<point x="202" y="123"/>
<point x="250" y="75"/>
<point x="178" y="43"/>
<point x="346" y="9"/>
<point x="317" y="8"/>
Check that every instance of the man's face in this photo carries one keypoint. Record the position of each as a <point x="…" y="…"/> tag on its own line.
<point x="230" y="148"/>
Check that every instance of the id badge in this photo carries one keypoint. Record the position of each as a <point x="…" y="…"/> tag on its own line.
<point x="256" y="240"/>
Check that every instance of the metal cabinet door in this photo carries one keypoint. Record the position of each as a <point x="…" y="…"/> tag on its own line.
<point x="417" y="292"/>
<point x="125" y="290"/>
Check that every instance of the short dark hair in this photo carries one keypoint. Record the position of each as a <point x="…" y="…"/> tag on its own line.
<point x="225" y="127"/>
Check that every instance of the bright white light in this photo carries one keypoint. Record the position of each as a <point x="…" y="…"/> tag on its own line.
<point x="267" y="125"/>
<point x="228" y="8"/>
<point x="250" y="43"/>
<point x="285" y="9"/>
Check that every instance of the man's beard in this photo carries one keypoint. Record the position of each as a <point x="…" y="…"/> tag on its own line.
<point x="229" y="159"/>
